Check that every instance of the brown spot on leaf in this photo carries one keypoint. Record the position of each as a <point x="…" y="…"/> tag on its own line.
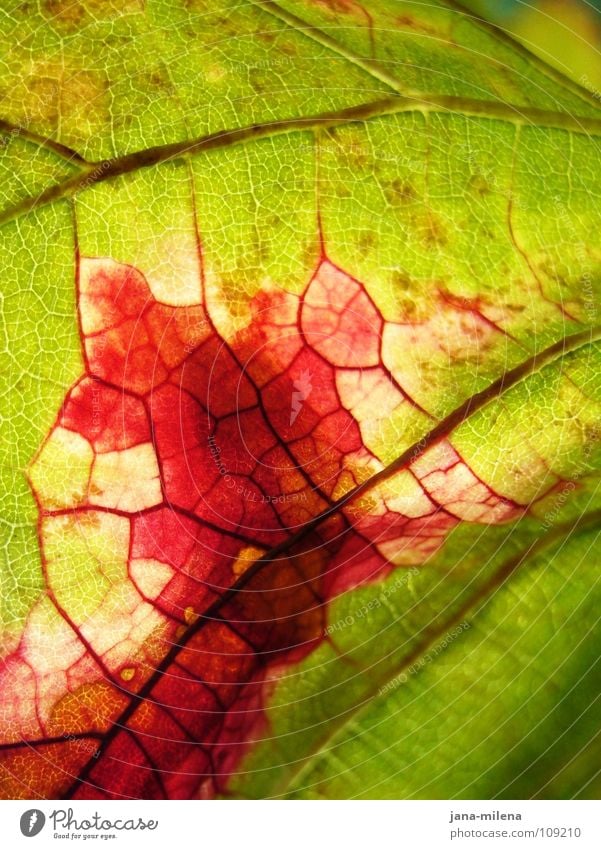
<point x="84" y="90"/>
<point x="434" y="234"/>
<point x="401" y="279"/>
<point x="399" y="192"/>
<point x="64" y="13"/>
<point x="52" y="93"/>
<point x="42" y="103"/>
<point x="336" y="6"/>
<point x="197" y="5"/>
<point x="158" y="80"/>
<point x="366" y="240"/>
<point x="478" y="184"/>
<point x="408" y="308"/>
<point x="411" y="22"/>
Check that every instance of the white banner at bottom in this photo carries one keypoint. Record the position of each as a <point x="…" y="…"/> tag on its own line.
<point x="303" y="825"/>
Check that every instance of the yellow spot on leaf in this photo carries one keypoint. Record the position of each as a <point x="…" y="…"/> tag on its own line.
<point x="190" y="615"/>
<point x="128" y="673"/>
<point x="246" y="558"/>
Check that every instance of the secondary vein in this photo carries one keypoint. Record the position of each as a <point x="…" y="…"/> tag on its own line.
<point x="97" y="172"/>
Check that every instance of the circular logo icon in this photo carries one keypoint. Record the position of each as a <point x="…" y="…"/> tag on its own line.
<point x="32" y="822"/>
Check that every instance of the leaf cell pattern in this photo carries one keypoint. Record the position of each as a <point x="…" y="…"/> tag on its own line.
<point x="199" y="464"/>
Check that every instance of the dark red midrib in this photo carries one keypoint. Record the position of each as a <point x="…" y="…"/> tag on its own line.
<point x="439" y="432"/>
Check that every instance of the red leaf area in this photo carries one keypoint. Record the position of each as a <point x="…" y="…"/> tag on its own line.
<point x="204" y="459"/>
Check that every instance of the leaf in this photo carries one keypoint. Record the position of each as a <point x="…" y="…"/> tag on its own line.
<point x="300" y="338"/>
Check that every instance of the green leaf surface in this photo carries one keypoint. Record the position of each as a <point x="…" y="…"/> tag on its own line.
<point x="475" y="678"/>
